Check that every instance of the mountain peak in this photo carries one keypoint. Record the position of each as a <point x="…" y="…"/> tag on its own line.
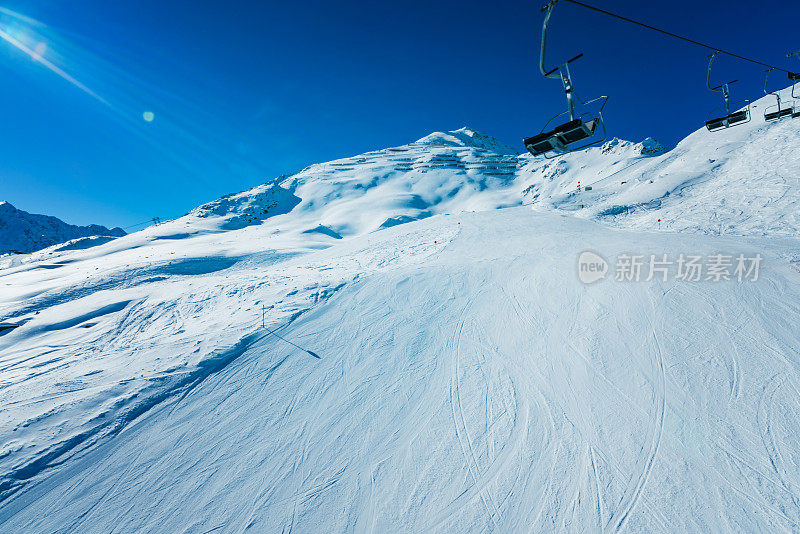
<point x="466" y="137"/>
<point x="648" y="147"/>
<point x="27" y="232"/>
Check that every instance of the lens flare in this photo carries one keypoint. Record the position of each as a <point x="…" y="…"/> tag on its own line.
<point x="20" y="17"/>
<point x="37" y="52"/>
<point x="130" y="98"/>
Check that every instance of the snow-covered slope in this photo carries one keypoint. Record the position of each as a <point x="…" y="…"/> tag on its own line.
<point x="740" y="181"/>
<point x="468" y="380"/>
<point x="478" y="386"/>
<point x="24" y="232"/>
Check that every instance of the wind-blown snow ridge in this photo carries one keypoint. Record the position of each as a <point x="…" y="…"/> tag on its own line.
<point x="249" y="207"/>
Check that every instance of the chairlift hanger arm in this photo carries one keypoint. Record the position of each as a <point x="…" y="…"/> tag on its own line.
<point x="708" y="75"/>
<point x="766" y="81"/>
<point x="794" y="76"/>
<point x="670" y="34"/>
<point x="777" y="92"/>
<point x="548" y="10"/>
<point x="721" y="88"/>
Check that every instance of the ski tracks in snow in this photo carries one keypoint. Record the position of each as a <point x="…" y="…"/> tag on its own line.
<point x="483" y="478"/>
<point x="766" y="421"/>
<point x="614" y="519"/>
<point x="629" y="501"/>
<point x="460" y="425"/>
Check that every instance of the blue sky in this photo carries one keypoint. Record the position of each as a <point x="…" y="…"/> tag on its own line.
<point x="243" y="91"/>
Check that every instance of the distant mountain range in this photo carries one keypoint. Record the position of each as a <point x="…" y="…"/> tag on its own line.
<point x="25" y="232"/>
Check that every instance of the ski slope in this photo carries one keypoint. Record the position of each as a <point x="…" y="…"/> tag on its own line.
<point x="468" y="380"/>
<point x="482" y="389"/>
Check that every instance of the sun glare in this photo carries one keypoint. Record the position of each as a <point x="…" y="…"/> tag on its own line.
<point x="19" y="33"/>
<point x="38" y="51"/>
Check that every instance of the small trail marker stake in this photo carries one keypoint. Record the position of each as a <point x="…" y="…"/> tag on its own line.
<point x="659" y="224"/>
<point x="263" y="313"/>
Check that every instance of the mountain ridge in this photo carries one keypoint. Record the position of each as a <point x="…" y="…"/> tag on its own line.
<point x="24" y="232"/>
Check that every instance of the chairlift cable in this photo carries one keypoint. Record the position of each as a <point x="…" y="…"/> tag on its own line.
<point x="137" y="224"/>
<point x="665" y="32"/>
<point x="153" y="220"/>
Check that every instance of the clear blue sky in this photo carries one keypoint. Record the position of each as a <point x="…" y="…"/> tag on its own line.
<point x="243" y="91"/>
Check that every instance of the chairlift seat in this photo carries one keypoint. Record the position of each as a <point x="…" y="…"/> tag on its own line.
<point x="779" y="114"/>
<point x="571" y="125"/>
<point x="727" y="121"/>
<point x="576" y="130"/>
<point x="543" y="143"/>
<point x="559" y="139"/>
<point x="715" y="124"/>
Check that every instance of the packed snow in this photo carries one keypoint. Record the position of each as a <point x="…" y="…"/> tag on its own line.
<point x="468" y="380"/>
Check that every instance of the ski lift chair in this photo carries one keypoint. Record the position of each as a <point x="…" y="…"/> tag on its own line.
<point x="563" y="138"/>
<point x="779" y="110"/>
<point x="580" y="130"/>
<point x="722" y="117"/>
<point x="795" y="77"/>
<point x="726" y="121"/>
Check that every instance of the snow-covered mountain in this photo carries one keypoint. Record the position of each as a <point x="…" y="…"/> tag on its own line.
<point x="467" y="380"/>
<point x="25" y="232"/>
<point x="714" y="183"/>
